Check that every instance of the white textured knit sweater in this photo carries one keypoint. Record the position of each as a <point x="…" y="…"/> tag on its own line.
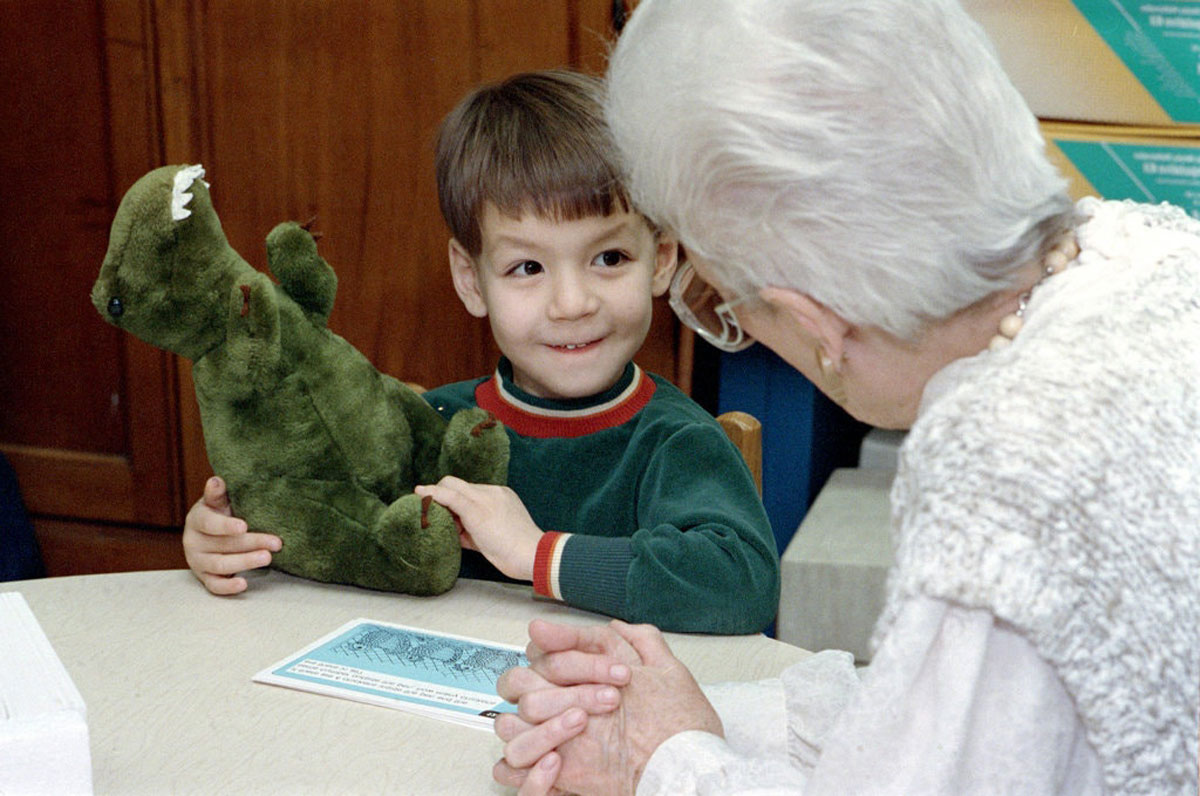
<point x="1042" y="628"/>
<point x="1056" y="483"/>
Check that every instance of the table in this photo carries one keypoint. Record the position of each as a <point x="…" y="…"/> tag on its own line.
<point x="834" y="571"/>
<point x="164" y="668"/>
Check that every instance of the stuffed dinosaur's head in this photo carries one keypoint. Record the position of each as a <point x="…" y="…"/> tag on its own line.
<point x="168" y="267"/>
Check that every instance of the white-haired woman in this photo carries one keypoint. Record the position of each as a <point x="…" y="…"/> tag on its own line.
<point x="868" y="196"/>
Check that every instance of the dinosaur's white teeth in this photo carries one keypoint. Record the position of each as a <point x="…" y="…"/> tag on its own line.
<point x="179" y="191"/>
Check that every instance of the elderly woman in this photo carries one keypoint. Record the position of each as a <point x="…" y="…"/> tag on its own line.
<point x="867" y="195"/>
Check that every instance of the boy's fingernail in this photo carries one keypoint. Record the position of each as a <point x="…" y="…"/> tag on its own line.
<point x="575" y="717"/>
<point x="619" y="672"/>
<point x="608" y="696"/>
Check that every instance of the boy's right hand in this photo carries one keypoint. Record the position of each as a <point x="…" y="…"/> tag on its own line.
<point x="492" y="520"/>
<point x="218" y="545"/>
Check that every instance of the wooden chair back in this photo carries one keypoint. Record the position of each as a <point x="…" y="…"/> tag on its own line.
<point x="744" y="430"/>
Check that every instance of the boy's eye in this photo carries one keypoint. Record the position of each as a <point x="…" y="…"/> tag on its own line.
<point x="610" y="258"/>
<point x="526" y="268"/>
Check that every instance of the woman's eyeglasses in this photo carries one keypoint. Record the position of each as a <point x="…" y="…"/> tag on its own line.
<point x="701" y="308"/>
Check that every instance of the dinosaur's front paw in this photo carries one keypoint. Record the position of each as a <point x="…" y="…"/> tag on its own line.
<point x="420" y="538"/>
<point x="475" y="448"/>
<point x="304" y="274"/>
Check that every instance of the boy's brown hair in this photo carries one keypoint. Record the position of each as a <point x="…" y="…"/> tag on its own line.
<point x="535" y="142"/>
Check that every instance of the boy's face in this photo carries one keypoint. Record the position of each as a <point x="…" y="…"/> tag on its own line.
<point x="569" y="301"/>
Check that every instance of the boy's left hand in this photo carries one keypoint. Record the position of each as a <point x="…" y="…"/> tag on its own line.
<point x="493" y="520"/>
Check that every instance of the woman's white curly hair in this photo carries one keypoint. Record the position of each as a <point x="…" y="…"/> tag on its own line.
<point x="870" y="153"/>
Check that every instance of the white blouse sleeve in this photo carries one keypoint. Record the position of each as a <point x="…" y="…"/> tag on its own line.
<point x="953" y="702"/>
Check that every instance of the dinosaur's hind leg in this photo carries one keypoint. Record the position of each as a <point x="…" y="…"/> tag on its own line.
<point x="422" y="538"/>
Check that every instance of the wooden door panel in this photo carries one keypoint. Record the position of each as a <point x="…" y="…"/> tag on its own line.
<point x="79" y="548"/>
<point x="517" y="35"/>
<point x="58" y="376"/>
<point x="86" y="414"/>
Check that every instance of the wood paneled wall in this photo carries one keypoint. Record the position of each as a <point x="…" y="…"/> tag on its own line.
<point x="296" y="108"/>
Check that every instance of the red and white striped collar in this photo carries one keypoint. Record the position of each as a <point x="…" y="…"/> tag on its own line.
<point x="535" y="417"/>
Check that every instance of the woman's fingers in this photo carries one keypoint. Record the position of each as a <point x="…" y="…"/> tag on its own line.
<point x="519" y="681"/>
<point x="534" y="781"/>
<point x="548" y="637"/>
<point x="539" y="706"/>
<point x="509" y="725"/>
<point x="573" y="667"/>
<point x="538" y="699"/>
<point x="568" y="654"/>
<point x="508" y="776"/>
<point x="540" y="778"/>
<point x="646" y="640"/>
<point x="527" y="747"/>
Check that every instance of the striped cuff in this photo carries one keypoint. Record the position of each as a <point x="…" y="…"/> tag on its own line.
<point x="546" y="563"/>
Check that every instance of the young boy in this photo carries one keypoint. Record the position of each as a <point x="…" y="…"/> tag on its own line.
<point x="624" y="496"/>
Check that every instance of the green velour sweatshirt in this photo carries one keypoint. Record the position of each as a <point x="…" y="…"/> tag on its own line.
<point x="650" y="511"/>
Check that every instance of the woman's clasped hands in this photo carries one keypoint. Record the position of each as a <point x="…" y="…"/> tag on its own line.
<point x="593" y="705"/>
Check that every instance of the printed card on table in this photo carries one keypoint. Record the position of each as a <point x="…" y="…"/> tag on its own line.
<point x="420" y="671"/>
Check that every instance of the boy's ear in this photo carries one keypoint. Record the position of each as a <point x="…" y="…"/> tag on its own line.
<point x="466" y="280"/>
<point x="823" y="325"/>
<point x="666" y="258"/>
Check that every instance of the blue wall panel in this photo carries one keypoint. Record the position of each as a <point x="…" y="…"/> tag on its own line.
<point x="805" y="435"/>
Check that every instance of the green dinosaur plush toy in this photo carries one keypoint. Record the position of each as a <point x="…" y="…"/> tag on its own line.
<point x="314" y="443"/>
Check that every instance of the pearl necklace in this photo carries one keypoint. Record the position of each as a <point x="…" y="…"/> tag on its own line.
<point x="1055" y="262"/>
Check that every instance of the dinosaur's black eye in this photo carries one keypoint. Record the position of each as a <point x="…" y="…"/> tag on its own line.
<point x="115" y="307"/>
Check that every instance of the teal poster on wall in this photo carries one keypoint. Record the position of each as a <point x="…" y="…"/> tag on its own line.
<point x="1141" y="172"/>
<point x="1159" y="43"/>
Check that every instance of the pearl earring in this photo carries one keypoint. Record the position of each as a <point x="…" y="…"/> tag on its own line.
<point x="831" y="379"/>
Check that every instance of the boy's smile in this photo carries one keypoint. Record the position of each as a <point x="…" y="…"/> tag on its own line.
<point x="569" y="302"/>
<point x="577" y="346"/>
